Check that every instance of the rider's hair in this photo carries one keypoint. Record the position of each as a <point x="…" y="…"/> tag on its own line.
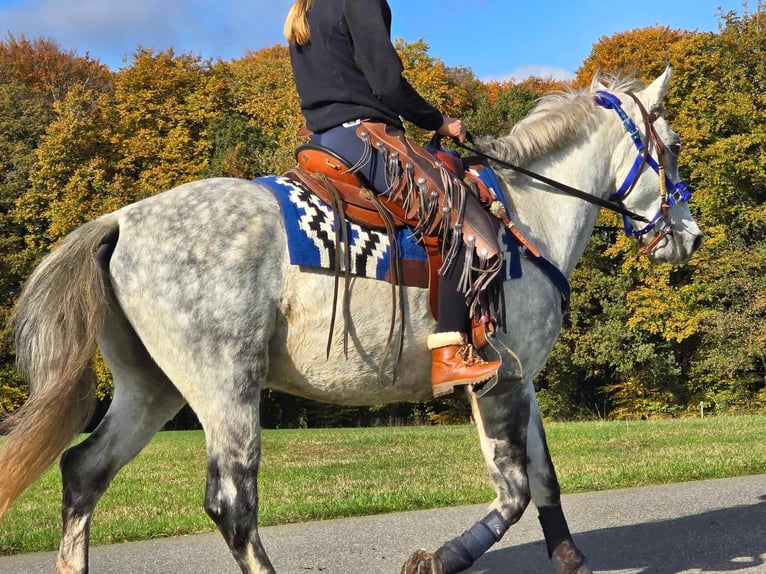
<point x="297" y="23"/>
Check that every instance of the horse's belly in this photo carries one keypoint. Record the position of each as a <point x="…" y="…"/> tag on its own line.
<point x="298" y="358"/>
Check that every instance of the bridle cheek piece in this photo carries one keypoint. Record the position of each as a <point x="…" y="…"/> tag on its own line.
<point x="670" y="192"/>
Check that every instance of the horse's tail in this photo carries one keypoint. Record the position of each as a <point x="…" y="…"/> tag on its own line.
<point x="59" y="313"/>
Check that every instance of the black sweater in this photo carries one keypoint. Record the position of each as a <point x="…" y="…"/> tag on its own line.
<point x="350" y="69"/>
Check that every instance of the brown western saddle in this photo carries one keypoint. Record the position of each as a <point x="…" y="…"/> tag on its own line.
<point x="412" y="201"/>
<point x="330" y="177"/>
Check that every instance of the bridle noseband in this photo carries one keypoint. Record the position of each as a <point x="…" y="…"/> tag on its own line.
<point x="679" y="192"/>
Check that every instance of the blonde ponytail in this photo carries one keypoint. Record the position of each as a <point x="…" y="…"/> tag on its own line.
<point x="297" y="24"/>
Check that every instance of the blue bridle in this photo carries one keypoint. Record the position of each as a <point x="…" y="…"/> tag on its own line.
<point x="670" y="193"/>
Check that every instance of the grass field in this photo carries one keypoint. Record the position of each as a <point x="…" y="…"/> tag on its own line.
<point x="319" y="474"/>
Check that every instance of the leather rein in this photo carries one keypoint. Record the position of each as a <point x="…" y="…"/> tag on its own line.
<point x="680" y="192"/>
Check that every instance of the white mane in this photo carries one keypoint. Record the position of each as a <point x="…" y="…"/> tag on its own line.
<point x="557" y="119"/>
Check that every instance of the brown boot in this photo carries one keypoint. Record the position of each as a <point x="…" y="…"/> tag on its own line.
<point x="456" y="363"/>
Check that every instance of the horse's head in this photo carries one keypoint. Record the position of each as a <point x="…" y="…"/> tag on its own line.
<point x="646" y="167"/>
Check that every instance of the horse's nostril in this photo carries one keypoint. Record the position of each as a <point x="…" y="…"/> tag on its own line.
<point x="697" y="242"/>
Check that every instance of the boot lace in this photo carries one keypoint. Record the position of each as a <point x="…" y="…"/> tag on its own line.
<point x="467" y="354"/>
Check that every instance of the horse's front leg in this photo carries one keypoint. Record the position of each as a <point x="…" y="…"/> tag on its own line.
<point x="566" y="558"/>
<point x="502" y="421"/>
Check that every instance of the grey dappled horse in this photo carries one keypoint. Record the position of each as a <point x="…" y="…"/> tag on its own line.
<point x="192" y="300"/>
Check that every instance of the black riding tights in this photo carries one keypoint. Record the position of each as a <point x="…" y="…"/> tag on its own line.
<point x="453" y="311"/>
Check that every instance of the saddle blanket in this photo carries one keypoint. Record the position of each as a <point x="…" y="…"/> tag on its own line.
<point x="310" y="227"/>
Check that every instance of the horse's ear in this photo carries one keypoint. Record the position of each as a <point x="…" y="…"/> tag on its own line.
<point x="653" y="94"/>
<point x="596" y="84"/>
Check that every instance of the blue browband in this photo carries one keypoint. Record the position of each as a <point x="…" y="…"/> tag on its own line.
<point x="677" y="192"/>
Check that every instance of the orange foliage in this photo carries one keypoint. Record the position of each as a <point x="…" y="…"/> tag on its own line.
<point x="263" y="90"/>
<point x="41" y="65"/>
<point x="494" y="88"/>
<point x="642" y="52"/>
<point x="543" y="86"/>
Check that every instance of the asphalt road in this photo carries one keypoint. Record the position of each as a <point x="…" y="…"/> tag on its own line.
<point x="690" y="528"/>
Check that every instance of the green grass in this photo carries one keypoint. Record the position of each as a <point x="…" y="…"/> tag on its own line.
<point x="320" y="474"/>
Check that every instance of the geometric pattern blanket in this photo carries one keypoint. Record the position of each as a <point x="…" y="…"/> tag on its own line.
<point x="310" y="227"/>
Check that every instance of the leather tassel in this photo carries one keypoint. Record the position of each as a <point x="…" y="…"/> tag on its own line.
<point x="433" y="209"/>
<point x="448" y="259"/>
<point x="335" y="205"/>
<point x="445" y="231"/>
<point x="486" y="272"/>
<point x="384" y="153"/>
<point x="409" y="188"/>
<point x="397" y="293"/>
<point x="423" y="205"/>
<point x="449" y="184"/>
<point x="393" y="171"/>
<point x="457" y="216"/>
<point x="366" y="154"/>
<point x="465" y="282"/>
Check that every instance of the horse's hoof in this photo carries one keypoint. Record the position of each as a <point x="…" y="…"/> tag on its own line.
<point x="584" y="569"/>
<point x="567" y="559"/>
<point x="422" y="562"/>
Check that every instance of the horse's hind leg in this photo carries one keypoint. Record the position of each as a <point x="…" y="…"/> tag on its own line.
<point x="546" y="494"/>
<point x="230" y="419"/>
<point x="144" y="399"/>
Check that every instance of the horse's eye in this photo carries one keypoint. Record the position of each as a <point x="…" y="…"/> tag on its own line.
<point x="675" y="148"/>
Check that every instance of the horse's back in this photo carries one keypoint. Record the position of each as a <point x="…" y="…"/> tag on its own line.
<point x="208" y="231"/>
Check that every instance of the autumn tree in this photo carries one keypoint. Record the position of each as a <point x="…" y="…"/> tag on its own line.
<point x="41" y="65"/>
<point x="164" y="104"/>
<point x="106" y="150"/>
<point x="34" y="76"/>
<point x="103" y="150"/>
<point x="465" y="90"/>
<point x="24" y="113"/>
<point x="643" y="53"/>
<point x="499" y="107"/>
<point x="658" y="339"/>
<point x="544" y="86"/>
<point x="453" y="91"/>
<point x="719" y="108"/>
<point x="710" y="313"/>
<point x="263" y="92"/>
<point x="237" y="147"/>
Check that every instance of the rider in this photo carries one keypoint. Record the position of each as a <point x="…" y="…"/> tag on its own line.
<point x="347" y="70"/>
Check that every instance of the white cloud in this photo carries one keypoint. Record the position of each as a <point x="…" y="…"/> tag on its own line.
<point x="107" y="29"/>
<point x="88" y="16"/>
<point x="112" y="29"/>
<point x="539" y="71"/>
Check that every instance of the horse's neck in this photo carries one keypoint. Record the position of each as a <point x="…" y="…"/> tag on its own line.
<point x="555" y="223"/>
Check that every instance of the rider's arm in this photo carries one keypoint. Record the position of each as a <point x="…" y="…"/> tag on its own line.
<point x="369" y="23"/>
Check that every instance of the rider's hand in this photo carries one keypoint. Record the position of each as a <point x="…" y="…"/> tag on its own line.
<point x="453" y="127"/>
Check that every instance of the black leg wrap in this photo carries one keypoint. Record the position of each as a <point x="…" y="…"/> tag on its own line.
<point x="554" y="526"/>
<point x="460" y="553"/>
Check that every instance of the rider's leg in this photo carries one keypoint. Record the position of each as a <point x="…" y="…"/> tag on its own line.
<point x="344" y="141"/>
<point x="455" y="361"/>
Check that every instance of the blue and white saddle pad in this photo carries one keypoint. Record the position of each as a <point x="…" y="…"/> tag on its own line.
<point x="310" y="227"/>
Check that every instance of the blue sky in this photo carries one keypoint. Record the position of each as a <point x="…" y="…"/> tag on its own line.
<point x="497" y="39"/>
